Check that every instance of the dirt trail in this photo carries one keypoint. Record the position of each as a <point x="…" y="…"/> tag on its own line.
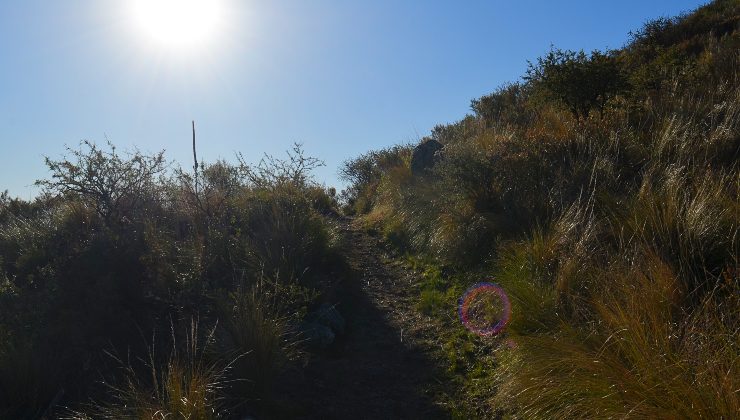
<point x="383" y="367"/>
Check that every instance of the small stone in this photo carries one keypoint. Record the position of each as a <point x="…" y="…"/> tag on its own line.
<point x="329" y="316"/>
<point x="317" y="336"/>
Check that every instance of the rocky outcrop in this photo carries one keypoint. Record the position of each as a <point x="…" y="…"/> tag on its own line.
<point x="424" y="156"/>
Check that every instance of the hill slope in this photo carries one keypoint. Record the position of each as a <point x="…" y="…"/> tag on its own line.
<point x="601" y="192"/>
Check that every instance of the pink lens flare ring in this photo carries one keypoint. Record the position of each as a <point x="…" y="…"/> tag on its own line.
<point x="480" y="298"/>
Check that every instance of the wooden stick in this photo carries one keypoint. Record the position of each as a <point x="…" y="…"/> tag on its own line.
<point x="195" y="158"/>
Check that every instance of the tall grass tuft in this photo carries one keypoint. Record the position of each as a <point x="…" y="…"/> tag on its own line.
<point x="257" y="327"/>
<point x="185" y="384"/>
<point x="643" y="356"/>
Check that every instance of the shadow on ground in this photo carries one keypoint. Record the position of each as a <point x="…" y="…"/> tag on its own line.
<point x="374" y="371"/>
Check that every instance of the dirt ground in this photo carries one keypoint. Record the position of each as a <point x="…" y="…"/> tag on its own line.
<point x="383" y="367"/>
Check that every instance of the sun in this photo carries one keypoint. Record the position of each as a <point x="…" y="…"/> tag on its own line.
<point x="178" y="24"/>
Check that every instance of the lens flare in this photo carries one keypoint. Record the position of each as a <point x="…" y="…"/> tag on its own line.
<point x="485" y="309"/>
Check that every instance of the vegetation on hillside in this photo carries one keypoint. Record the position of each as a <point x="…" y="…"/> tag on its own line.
<point x="132" y="289"/>
<point x="601" y="192"/>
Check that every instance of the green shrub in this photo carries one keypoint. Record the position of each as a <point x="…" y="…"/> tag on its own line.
<point x="506" y="106"/>
<point x="115" y="185"/>
<point x="580" y="82"/>
<point x="364" y="175"/>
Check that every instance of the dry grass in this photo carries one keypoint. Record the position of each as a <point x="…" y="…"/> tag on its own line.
<point x="615" y="236"/>
<point x="258" y="332"/>
<point x="642" y="356"/>
<point x="186" y="385"/>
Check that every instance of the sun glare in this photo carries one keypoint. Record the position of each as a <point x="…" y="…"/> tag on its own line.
<point x="178" y="24"/>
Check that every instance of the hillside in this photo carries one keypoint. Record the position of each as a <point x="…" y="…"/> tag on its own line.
<point x="601" y="192"/>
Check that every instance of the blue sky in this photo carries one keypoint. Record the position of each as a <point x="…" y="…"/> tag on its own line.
<point x="342" y="77"/>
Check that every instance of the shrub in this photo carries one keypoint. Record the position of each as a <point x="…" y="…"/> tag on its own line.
<point x="364" y="175"/>
<point x="580" y="82"/>
<point x="116" y="245"/>
<point x="115" y="185"/>
<point x="507" y="105"/>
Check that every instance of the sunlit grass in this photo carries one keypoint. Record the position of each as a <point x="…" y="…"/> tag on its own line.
<point x="615" y="235"/>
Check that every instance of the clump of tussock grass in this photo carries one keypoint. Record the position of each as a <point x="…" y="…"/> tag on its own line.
<point x="258" y="327"/>
<point x="689" y="219"/>
<point x="285" y="238"/>
<point x="185" y="384"/>
<point x="642" y="356"/>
